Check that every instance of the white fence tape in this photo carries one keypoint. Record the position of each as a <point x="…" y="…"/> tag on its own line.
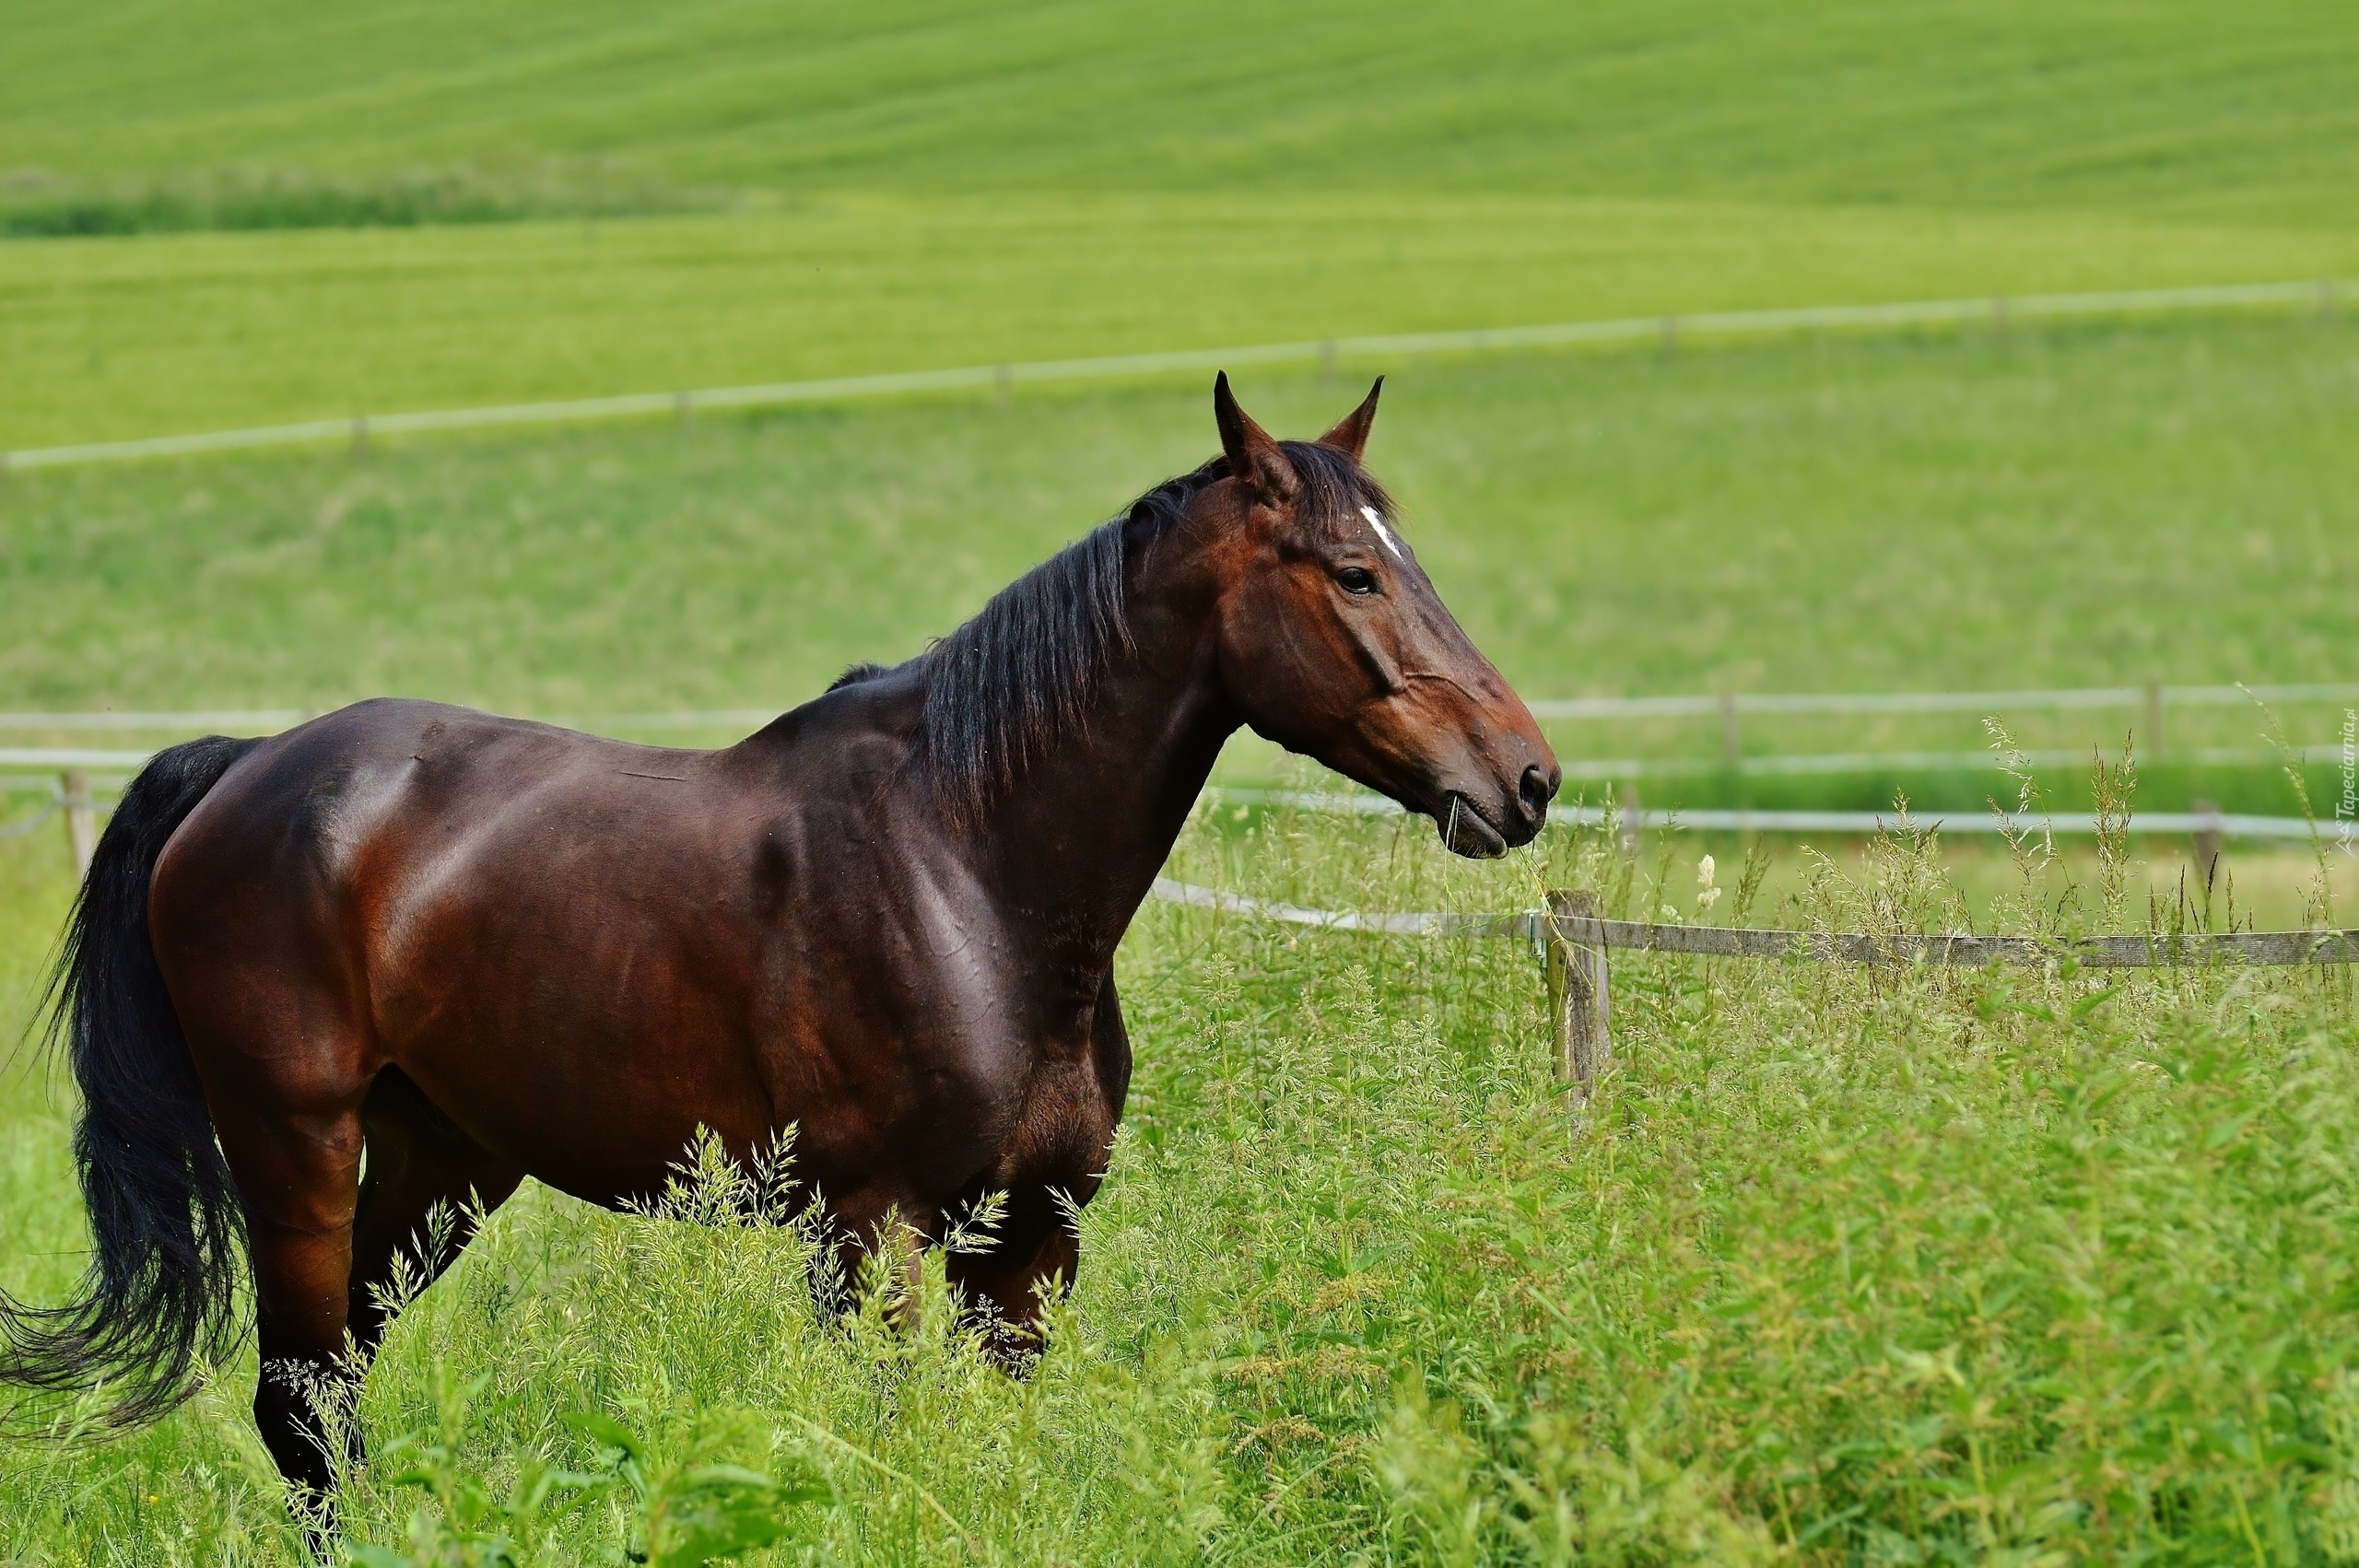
<point x="191" y="720"/>
<point x="1690" y="706"/>
<point x="54" y="757"/>
<point x="1622" y="768"/>
<point x="1425" y="924"/>
<point x="2227" y="824"/>
<point x="2321" y="293"/>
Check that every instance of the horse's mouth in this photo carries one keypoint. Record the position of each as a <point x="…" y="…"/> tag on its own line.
<point x="1466" y="831"/>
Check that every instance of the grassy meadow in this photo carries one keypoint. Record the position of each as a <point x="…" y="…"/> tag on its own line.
<point x="2093" y="504"/>
<point x="2174" y="109"/>
<point x="1833" y="1267"/>
<point x="921" y="187"/>
<point x="163" y="334"/>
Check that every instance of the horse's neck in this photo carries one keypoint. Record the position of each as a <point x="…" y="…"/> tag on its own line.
<point x="1080" y="838"/>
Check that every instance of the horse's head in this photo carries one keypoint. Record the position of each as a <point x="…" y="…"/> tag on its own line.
<point x="1333" y="643"/>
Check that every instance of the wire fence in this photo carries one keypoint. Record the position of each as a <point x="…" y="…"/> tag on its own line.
<point x="2322" y="294"/>
<point x="2138" y="951"/>
<point x="1573" y="942"/>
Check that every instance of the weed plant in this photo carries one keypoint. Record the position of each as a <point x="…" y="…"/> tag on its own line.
<point x="1836" y="1265"/>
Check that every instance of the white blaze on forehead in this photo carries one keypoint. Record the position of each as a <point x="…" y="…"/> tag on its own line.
<point x="1382" y="532"/>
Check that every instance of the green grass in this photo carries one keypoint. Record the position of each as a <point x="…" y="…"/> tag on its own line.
<point x="1855" y="1268"/>
<point x="2176" y="108"/>
<point x="2090" y="505"/>
<point x="153" y="334"/>
<point x="1838" y="1268"/>
<point x="924" y="187"/>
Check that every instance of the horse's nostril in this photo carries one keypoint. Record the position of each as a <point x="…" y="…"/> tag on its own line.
<point x="1535" y="790"/>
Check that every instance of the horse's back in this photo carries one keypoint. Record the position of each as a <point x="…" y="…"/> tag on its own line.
<point x="546" y="930"/>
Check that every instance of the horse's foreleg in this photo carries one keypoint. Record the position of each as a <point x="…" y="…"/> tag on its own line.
<point x="1009" y="1289"/>
<point x="877" y="1250"/>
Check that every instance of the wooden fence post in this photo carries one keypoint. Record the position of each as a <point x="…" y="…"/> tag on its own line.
<point x="2207" y="838"/>
<point x="1578" y="1002"/>
<point x="81" y="820"/>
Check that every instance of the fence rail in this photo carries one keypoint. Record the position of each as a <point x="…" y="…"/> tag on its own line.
<point x="2322" y="294"/>
<point x="178" y="718"/>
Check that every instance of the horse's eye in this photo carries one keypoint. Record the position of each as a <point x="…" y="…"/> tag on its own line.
<point x="1357" y="579"/>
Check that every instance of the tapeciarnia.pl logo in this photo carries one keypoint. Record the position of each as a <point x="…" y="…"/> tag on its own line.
<point x="2346" y="810"/>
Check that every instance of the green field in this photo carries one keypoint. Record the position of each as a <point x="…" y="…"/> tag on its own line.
<point x="2176" y="109"/>
<point x="927" y="188"/>
<point x="163" y="334"/>
<point x="1835" y="1268"/>
<point x="1976" y="1262"/>
<point x="2087" y="506"/>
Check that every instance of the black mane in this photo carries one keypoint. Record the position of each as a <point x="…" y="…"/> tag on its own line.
<point x="1004" y="688"/>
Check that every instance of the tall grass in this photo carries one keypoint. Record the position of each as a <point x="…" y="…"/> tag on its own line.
<point x="1834" y="1266"/>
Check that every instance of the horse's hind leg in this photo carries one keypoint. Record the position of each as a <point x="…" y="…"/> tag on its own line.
<point x="298" y="1170"/>
<point x="418" y="1158"/>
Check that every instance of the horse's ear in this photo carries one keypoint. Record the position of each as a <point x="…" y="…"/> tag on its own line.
<point x="1350" y="436"/>
<point x="1253" y="455"/>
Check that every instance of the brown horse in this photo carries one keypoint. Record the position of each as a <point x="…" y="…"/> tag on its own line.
<point x="471" y="949"/>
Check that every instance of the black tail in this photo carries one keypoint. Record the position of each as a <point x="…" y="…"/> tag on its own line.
<point x="167" y="1231"/>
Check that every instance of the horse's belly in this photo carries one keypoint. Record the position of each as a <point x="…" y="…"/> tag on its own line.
<point x="597" y="1104"/>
